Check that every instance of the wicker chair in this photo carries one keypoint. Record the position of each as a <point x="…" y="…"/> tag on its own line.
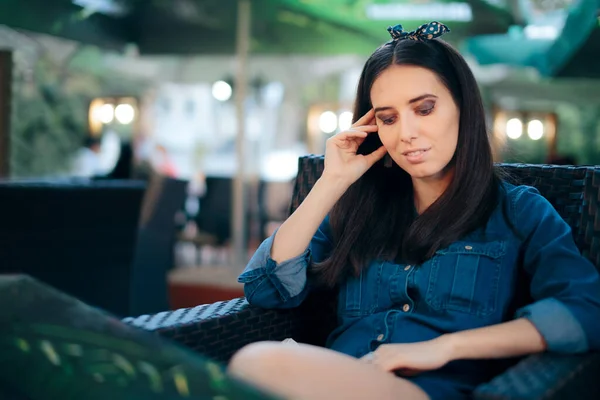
<point x="218" y="330"/>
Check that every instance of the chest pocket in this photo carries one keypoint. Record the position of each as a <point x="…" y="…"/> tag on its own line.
<point x="464" y="277"/>
<point x="359" y="295"/>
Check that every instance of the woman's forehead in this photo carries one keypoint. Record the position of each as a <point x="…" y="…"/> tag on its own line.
<point x="402" y="83"/>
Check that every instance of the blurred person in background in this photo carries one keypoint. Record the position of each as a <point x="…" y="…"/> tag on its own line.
<point x="87" y="161"/>
<point x="123" y="168"/>
<point x="162" y="163"/>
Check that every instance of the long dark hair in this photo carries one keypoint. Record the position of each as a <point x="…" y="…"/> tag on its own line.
<point x="375" y="218"/>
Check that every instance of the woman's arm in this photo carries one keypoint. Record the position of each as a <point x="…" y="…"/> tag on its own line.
<point x="564" y="285"/>
<point x="295" y="234"/>
<point x="509" y="339"/>
<point x="515" y="338"/>
<point x="276" y="276"/>
<point x="343" y="166"/>
<point x="563" y="318"/>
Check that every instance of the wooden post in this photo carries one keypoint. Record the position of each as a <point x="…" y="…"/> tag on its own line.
<point x="6" y="65"/>
<point x="551" y="128"/>
<point x="238" y="223"/>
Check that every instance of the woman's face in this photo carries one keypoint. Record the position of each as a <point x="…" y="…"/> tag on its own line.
<point x="418" y="120"/>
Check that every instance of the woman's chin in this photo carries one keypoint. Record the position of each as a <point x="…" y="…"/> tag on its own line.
<point x="424" y="171"/>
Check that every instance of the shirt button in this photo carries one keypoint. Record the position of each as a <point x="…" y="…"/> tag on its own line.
<point x="407" y="267"/>
<point x="469" y="247"/>
<point x="405" y="308"/>
<point x="380" y="337"/>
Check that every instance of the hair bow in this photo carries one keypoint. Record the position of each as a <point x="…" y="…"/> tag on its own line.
<point x="424" y="32"/>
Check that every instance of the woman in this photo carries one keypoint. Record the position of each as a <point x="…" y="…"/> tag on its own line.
<point x="427" y="246"/>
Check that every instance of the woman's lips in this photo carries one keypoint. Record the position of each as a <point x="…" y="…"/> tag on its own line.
<point x="415" y="156"/>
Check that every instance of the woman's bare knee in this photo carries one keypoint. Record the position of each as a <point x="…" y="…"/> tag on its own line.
<point x="256" y="360"/>
<point x="309" y="372"/>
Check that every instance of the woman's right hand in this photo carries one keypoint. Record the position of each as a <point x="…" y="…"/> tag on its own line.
<point x="341" y="161"/>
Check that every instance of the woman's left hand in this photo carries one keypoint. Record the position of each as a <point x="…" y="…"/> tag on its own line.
<point x="411" y="358"/>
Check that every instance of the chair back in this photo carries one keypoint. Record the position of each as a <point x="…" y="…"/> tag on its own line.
<point x="76" y="235"/>
<point x="154" y="248"/>
<point x="107" y="242"/>
<point x="588" y="238"/>
<point x="573" y="191"/>
<point x="214" y="217"/>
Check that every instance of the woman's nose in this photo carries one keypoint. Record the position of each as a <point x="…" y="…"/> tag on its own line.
<point x="407" y="129"/>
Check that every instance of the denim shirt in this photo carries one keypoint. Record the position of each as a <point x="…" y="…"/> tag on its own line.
<point x="488" y="277"/>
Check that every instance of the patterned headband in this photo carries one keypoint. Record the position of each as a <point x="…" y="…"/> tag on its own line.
<point x="423" y="33"/>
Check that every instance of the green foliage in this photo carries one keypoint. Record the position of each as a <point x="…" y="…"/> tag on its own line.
<point x="50" y="110"/>
<point x="579" y="133"/>
<point x="578" y="136"/>
<point x="48" y="123"/>
<point x="525" y="150"/>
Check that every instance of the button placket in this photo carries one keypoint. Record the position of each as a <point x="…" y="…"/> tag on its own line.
<point x="388" y="324"/>
<point x="398" y="289"/>
<point x="408" y="306"/>
<point x="390" y="319"/>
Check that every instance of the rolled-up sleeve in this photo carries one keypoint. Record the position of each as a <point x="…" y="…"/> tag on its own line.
<point x="565" y="285"/>
<point x="269" y="284"/>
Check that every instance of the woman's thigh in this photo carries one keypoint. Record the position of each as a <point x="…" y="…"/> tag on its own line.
<point x="304" y="372"/>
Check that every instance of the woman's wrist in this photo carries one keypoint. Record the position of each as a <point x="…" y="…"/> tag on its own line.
<point x="336" y="185"/>
<point x="450" y="345"/>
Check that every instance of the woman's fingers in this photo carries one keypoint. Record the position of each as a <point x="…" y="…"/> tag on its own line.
<point x="356" y="132"/>
<point x="366" y="128"/>
<point x="365" y="119"/>
<point x="352" y="137"/>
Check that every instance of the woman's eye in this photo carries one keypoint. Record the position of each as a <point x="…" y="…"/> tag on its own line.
<point x="425" y="109"/>
<point x="387" y="121"/>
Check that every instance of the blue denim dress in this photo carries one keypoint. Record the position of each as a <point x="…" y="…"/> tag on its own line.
<point x="470" y="284"/>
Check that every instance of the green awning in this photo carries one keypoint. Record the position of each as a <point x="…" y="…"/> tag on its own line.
<point x="585" y="63"/>
<point x="534" y="45"/>
<point x="279" y="26"/>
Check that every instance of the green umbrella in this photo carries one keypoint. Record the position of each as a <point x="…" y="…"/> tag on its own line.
<point x="278" y="26"/>
<point x="585" y="63"/>
<point x="63" y="18"/>
<point x="547" y="43"/>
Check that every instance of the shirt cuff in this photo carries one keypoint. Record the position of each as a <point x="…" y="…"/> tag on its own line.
<point x="288" y="277"/>
<point x="558" y="326"/>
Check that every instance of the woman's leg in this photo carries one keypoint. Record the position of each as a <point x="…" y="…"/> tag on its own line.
<point x="305" y="372"/>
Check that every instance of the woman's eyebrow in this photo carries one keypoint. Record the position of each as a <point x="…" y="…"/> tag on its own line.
<point x="383" y="109"/>
<point x="411" y="101"/>
<point x="421" y="97"/>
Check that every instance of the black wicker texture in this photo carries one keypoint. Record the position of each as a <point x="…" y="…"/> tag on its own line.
<point x="310" y="168"/>
<point x="589" y="233"/>
<point x="561" y="185"/>
<point x="216" y="330"/>
<point x="220" y="329"/>
<point x="546" y="376"/>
